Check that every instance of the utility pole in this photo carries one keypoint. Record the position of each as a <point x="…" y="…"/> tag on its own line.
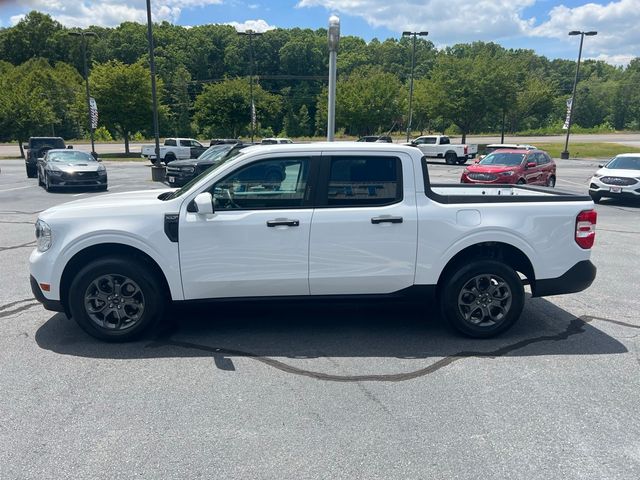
<point x="413" y="64"/>
<point x="251" y="34"/>
<point x="157" y="172"/>
<point x="84" y="36"/>
<point x="334" y="40"/>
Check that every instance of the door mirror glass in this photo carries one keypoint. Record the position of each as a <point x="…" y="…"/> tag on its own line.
<point x="204" y="203"/>
<point x="531" y="164"/>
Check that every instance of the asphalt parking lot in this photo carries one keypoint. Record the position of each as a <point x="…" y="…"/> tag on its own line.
<point x="327" y="391"/>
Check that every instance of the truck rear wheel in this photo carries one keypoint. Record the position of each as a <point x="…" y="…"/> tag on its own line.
<point x="450" y="158"/>
<point x="116" y="299"/>
<point x="169" y="157"/>
<point x="482" y="298"/>
<point x="462" y="160"/>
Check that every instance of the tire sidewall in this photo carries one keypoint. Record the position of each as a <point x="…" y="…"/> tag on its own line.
<point x="455" y="282"/>
<point x="154" y="298"/>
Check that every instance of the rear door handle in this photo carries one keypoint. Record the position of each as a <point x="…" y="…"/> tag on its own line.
<point x="283" y="222"/>
<point x="386" y="219"/>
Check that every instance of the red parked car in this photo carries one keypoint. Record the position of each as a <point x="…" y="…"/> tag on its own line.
<point x="513" y="166"/>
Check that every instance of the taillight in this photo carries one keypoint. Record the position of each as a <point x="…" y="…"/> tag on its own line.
<point x="586" y="228"/>
<point x="466" y="149"/>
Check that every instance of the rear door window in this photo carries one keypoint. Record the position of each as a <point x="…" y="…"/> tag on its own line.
<point x="362" y="181"/>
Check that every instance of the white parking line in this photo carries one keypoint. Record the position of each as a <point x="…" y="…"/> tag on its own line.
<point x="78" y="194"/>
<point x="17" y="188"/>
<point x="572" y="183"/>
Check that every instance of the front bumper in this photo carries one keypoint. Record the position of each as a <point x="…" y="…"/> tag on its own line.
<point x="176" y="178"/>
<point x="598" y="188"/>
<point x="577" y="278"/>
<point x="78" y="180"/>
<point x="53" y="305"/>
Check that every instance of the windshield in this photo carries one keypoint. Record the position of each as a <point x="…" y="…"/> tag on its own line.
<point x="624" y="163"/>
<point x="214" y="150"/>
<point x="70" y="156"/>
<point x="502" y="158"/>
<point x="36" y="143"/>
<point x="222" y="158"/>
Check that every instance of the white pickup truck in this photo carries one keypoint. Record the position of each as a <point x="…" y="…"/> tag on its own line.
<point x="440" y="146"/>
<point x="174" y="149"/>
<point x="339" y="219"/>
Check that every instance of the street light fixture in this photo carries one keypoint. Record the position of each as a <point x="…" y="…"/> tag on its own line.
<point x="251" y="34"/>
<point x="84" y="36"/>
<point x="413" y="64"/>
<point x="333" y="39"/>
<point x="565" y="153"/>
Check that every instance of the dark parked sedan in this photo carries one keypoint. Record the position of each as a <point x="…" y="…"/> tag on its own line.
<point x="71" y="168"/>
<point x="180" y="172"/>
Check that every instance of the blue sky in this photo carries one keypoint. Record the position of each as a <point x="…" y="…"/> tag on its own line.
<point x="541" y="25"/>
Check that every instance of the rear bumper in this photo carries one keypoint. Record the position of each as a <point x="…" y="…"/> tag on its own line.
<point x="53" y="305"/>
<point x="577" y="278"/>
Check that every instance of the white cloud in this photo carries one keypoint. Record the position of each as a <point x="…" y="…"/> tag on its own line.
<point x="618" y="36"/>
<point x="15" y="19"/>
<point x="456" y="21"/>
<point x="82" y="13"/>
<point x="448" y="21"/>
<point x="255" y="25"/>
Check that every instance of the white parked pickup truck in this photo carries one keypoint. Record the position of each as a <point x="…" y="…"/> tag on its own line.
<point x="312" y="220"/>
<point x="440" y="146"/>
<point x="174" y="149"/>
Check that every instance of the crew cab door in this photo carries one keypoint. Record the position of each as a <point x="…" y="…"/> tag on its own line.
<point x="364" y="229"/>
<point x="256" y="243"/>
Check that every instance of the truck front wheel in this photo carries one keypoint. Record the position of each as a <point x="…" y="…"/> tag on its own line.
<point x="482" y="298"/>
<point x="116" y="299"/>
<point x="32" y="171"/>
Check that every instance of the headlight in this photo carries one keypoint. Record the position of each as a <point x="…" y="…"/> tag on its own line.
<point x="102" y="169"/>
<point x="43" y="236"/>
<point x="510" y="173"/>
<point x="55" y="173"/>
<point x="597" y="175"/>
<point x="188" y="169"/>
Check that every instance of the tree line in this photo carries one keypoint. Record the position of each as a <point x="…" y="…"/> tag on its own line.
<point x="204" y="88"/>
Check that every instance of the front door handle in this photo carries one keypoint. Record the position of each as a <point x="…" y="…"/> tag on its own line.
<point x="283" y="222"/>
<point x="386" y="219"/>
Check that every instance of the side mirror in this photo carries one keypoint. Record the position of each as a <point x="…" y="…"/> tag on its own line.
<point x="601" y="165"/>
<point x="69" y="147"/>
<point x="204" y="203"/>
<point x="531" y="164"/>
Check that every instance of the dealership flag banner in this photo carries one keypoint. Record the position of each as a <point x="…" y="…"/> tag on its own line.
<point x="568" y="119"/>
<point x="93" y="109"/>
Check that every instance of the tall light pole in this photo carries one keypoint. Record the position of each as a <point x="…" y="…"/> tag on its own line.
<point x="84" y="36"/>
<point x="565" y="153"/>
<point x="333" y="39"/>
<point x="413" y="64"/>
<point x="157" y="171"/>
<point x="251" y="34"/>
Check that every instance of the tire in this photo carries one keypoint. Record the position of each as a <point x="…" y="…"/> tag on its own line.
<point x="40" y="183"/>
<point x="169" y="157"/>
<point x="522" y="181"/>
<point x="462" y="160"/>
<point x="551" y="181"/>
<point x="129" y="315"/>
<point x="47" y="186"/>
<point x="482" y="299"/>
<point x="102" y="188"/>
<point x="450" y="158"/>
<point x="32" y="172"/>
<point x="595" y="197"/>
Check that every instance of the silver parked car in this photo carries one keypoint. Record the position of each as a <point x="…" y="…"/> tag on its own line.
<point x="71" y="168"/>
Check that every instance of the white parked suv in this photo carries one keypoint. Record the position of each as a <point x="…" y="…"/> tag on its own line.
<point x="316" y="220"/>
<point x="619" y="178"/>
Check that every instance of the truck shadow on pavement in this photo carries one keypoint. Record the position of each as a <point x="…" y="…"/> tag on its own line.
<point x="294" y="337"/>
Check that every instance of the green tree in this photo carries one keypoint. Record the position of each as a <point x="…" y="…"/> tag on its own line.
<point x="224" y="109"/>
<point x="369" y="101"/>
<point x="123" y="94"/>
